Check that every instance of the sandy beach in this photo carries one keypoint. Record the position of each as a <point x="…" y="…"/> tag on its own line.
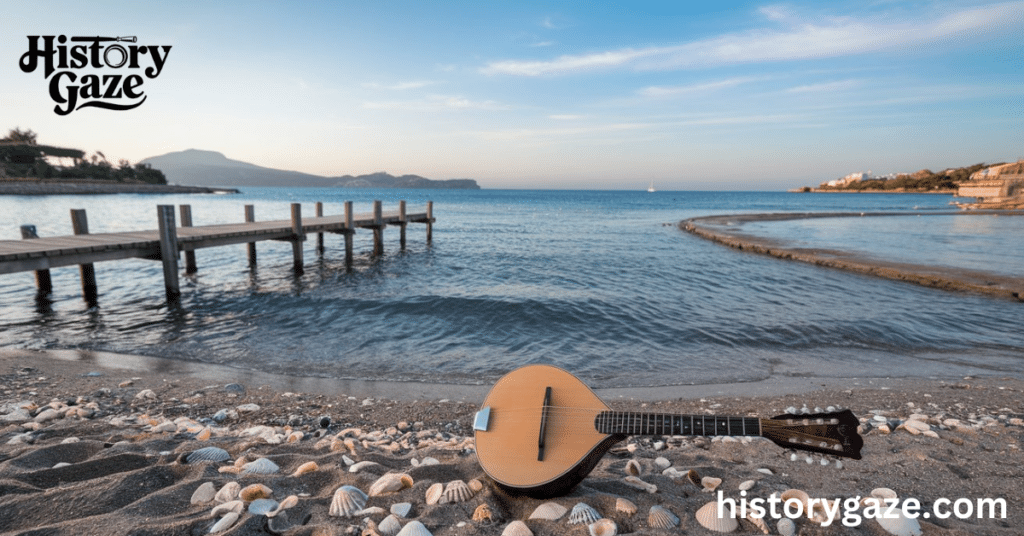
<point x="90" y="447"/>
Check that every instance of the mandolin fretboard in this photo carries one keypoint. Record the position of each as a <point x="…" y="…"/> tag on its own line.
<point x="632" y="423"/>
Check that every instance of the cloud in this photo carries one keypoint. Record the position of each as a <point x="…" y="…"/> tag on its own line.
<point x="825" y="87"/>
<point x="832" y="37"/>
<point x="670" y="91"/>
<point x="435" y="103"/>
<point x="401" y="86"/>
<point x="566" y="117"/>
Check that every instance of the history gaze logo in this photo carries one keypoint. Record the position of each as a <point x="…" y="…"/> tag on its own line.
<point x="111" y="90"/>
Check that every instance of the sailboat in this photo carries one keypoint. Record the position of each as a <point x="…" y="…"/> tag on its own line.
<point x="651" y="187"/>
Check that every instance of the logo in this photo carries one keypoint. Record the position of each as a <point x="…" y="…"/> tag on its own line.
<point x="117" y="88"/>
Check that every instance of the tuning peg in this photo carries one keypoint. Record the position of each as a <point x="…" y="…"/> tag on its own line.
<point x="791" y="409"/>
<point x="818" y="410"/>
<point x="839" y="464"/>
<point x="830" y="409"/>
<point x="794" y="457"/>
<point x="809" y="460"/>
<point x="824" y="461"/>
<point x="805" y="409"/>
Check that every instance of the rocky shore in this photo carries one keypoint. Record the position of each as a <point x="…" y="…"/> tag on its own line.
<point x="93" y="187"/>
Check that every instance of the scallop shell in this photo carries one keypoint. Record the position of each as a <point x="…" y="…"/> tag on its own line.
<point x="347" y="501"/>
<point x="549" y="510"/>
<point x="262" y="507"/>
<point x="625" y="506"/>
<point x="517" y="528"/>
<point x="255" y="491"/>
<point x="583" y="513"/>
<point x="390" y="483"/>
<point x="786" y="527"/>
<point x="899" y="525"/>
<point x="224" y="523"/>
<point x="204" y="493"/>
<point x="308" y="467"/>
<point x="707" y="516"/>
<point x="603" y="527"/>
<point x="798" y="495"/>
<point x="636" y="483"/>
<point x="231" y="506"/>
<point x="660" y="518"/>
<point x="434" y="493"/>
<point x="260" y="466"/>
<point x="710" y="483"/>
<point x="633" y="468"/>
<point x="483" y="513"/>
<point x="414" y="528"/>
<point x="456" y="491"/>
<point x="228" y="493"/>
<point x="208" y="454"/>
<point x="389" y="526"/>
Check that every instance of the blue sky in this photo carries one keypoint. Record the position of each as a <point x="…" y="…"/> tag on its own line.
<point x="711" y="96"/>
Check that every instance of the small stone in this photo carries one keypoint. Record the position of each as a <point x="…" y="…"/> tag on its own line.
<point x="146" y="394"/>
<point x="204" y="493"/>
<point x="248" y="408"/>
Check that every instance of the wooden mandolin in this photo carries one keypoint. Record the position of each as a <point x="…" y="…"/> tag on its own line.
<point x="541" y="430"/>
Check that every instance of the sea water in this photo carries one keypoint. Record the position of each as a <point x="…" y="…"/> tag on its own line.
<point x="602" y="283"/>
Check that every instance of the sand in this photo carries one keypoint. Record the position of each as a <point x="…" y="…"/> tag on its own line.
<point x="124" y="431"/>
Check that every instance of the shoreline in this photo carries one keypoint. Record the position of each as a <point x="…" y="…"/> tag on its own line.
<point x="99" y="187"/>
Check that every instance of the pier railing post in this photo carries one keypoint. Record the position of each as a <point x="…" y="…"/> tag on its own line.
<point x="43" y="281"/>
<point x="80" y="225"/>
<point x="378" y="228"/>
<point x="169" y="249"/>
<point x="349" y="231"/>
<point x="319" y="236"/>
<point x="297" y="237"/>
<point x="190" y="256"/>
<point x="430" y="221"/>
<point x="401" y="224"/>
<point x="250" y="217"/>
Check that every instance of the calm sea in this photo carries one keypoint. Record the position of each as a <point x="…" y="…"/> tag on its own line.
<point x="601" y="283"/>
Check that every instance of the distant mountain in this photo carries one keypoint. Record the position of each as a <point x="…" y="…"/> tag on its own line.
<point x="210" y="168"/>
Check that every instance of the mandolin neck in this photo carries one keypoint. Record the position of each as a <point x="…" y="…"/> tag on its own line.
<point x="633" y="423"/>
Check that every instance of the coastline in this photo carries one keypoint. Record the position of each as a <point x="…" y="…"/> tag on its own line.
<point x="98" y="187"/>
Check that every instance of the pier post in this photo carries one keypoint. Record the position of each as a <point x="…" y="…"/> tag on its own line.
<point x="250" y="217"/>
<point x="378" y="228"/>
<point x="190" y="256"/>
<point x="401" y="223"/>
<point x="430" y="221"/>
<point x="348" y="234"/>
<point x="43" y="281"/>
<point x="319" y="236"/>
<point x="297" y="237"/>
<point x="168" y="249"/>
<point x="80" y="225"/>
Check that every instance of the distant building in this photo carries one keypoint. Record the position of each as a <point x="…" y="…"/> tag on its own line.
<point x="997" y="186"/>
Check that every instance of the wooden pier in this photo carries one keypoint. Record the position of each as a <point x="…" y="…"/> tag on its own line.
<point x="165" y="244"/>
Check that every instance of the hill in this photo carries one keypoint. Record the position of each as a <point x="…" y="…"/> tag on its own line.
<point x="197" y="167"/>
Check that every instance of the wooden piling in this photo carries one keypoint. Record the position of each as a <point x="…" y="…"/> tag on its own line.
<point x="319" y="236"/>
<point x="430" y="221"/>
<point x="378" y="228"/>
<point x="186" y="221"/>
<point x="250" y="217"/>
<point x="168" y="249"/>
<point x="297" y="237"/>
<point x="43" y="281"/>
<point x="401" y="224"/>
<point x="348" y="234"/>
<point x="80" y="226"/>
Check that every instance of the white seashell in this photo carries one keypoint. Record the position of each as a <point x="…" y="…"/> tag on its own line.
<point x="517" y="528"/>
<point x="603" y="527"/>
<point x="228" y="493"/>
<point x="707" y="516"/>
<point x="884" y="493"/>
<point x="262" y="507"/>
<point x="898" y="525"/>
<point x="224" y="523"/>
<point x="356" y="467"/>
<point x="786" y="527"/>
<point x="390" y="483"/>
<point x="662" y="462"/>
<point x="635" y="482"/>
<point x="308" y="467"/>
<point x="371" y="511"/>
<point x="414" y="528"/>
<point x="550" y="511"/>
<point x="746" y="485"/>
<point x="633" y="468"/>
<point x="434" y="493"/>
<point x="456" y="491"/>
<point x="204" y="493"/>
<point x="347" y="501"/>
<point x="208" y="454"/>
<point x="661" y="518"/>
<point x="428" y="461"/>
<point x="231" y="506"/>
<point x="389" y="526"/>
<point x="583" y="513"/>
<point x="401" y="509"/>
<point x="710" y="483"/>
<point x="260" y="466"/>
<point x="625" y="506"/>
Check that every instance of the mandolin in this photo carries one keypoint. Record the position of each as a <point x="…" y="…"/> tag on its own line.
<point x="541" y="430"/>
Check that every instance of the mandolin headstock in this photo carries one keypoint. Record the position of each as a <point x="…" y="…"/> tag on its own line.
<point x="833" y="433"/>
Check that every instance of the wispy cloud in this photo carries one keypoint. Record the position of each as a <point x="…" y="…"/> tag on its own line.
<point x="400" y="86"/>
<point x="566" y="117"/>
<point x="671" y="91"/>
<point x="825" y="87"/>
<point x="800" y="40"/>
<point x="435" y="103"/>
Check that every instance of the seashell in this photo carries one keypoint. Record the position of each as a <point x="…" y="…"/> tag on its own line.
<point x="208" y="454"/>
<point x="228" y="469"/>
<point x="255" y="491"/>
<point x="389" y="526"/>
<point x="204" y="493"/>
<point x="635" y="482"/>
<point x="231" y="506"/>
<point x="401" y="509"/>
<point x="583" y="513"/>
<point x="260" y="466"/>
<point x="747" y="484"/>
<point x="389" y="483"/>
<point x="633" y="468"/>
<point x="694" y="478"/>
<point x="289" y="502"/>
<point x="347" y="501"/>
<point x="786" y="527"/>
<point x="625" y="506"/>
<point x="434" y="493"/>
<point x="517" y="528"/>
<point x="707" y="516"/>
<point x="428" y="461"/>
<point x="661" y="518"/>
<point x="228" y="493"/>
<point x="710" y="483"/>
<point x="550" y="511"/>
<point x="758" y="522"/>
<point x="603" y="527"/>
<point x="294" y="437"/>
<point x="899" y="525"/>
<point x="308" y="467"/>
<point x="225" y="523"/>
<point x="204" y="434"/>
<point x="456" y="491"/>
<point x="371" y="511"/>
<point x="819" y="510"/>
<point x="356" y="467"/>
<point x="796" y="495"/>
<point x="414" y="528"/>
<point x="262" y="507"/>
<point x="483" y="513"/>
<point x="884" y="494"/>
<point x="370" y="530"/>
<point x="662" y="462"/>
